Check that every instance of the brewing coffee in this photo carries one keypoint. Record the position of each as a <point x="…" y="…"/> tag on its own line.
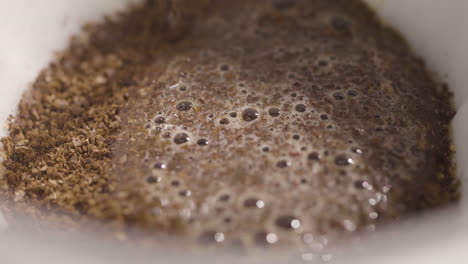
<point x="256" y="122"/>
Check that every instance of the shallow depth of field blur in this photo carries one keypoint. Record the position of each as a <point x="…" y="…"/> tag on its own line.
<point x="32" y="30"/>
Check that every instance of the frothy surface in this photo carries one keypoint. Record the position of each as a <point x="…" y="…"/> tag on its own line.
<point x="310" y="120"/>
<point x="267" y="123"/>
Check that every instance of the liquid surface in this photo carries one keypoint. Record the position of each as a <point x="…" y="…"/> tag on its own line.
<point x="262" y="123"/>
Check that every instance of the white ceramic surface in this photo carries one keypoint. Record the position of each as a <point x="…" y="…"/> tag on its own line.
<point x="31" y="30"/>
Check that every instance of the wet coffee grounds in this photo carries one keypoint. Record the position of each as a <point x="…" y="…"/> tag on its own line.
<point x="254" y="123"/>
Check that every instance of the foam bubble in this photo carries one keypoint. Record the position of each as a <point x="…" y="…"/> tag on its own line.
<point x="224" y="121"/>
<point x="283" y="164"/>
<point x="153" y="179"/>
<point x="343" y="160"/>
<point x="203" y="142"/>
<point x="265" y="239"/>
<point x="254" y="203"/>
<point x="184" y="106"/>
<point x="160" y="166"/>
<point x="301" y="108"/>
<point x="160" y="120"/>
<point x="288" y="222"/>
<point x="181" y="138"/>
<point x="250" y="114"/>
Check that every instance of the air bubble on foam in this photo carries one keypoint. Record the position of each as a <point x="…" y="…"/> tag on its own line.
<point x="185" y="193"/>
<point x="203" y="142"/>
<point x="373" y="215"/>
<point x="175" y="183"/>
<point x="274" y="112"/>
<point x="254" y="203"/>
<point x="181" y="138"/>
<point x="315" y="156"/>
<point x="160" y="120"/>
<point x="211" y="237"/>
<point x="224" y="197"/>
<point x="153" y="179"/>
<point x="361" y="184"/>
<point x="301" y="108"/>
<point x="184" y="106"/>
<point x="265" y="238"/>
<point x="166" y="135"/>
<point x="250" y="114"/>
<point x="160" y="166"/>
<point x="344" y="160"/>
<point x="288" y="222"/>
<point x="224" y="121"/>
<point x="357" y="150"/>
<point x="283" y="164"/>
<point x="349" y="225"/>
<point x="225" y="67"/>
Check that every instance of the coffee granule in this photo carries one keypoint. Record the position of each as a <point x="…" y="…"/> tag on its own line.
<point x="133" y="124"/>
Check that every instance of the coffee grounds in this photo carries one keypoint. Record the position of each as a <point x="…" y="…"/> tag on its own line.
<point x="256" y="123"/>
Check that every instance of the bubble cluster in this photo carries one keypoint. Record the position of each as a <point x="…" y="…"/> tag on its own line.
<point x="267" y="130"/>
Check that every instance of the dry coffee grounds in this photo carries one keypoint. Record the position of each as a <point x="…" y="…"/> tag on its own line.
<point x="250" y="122"/>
